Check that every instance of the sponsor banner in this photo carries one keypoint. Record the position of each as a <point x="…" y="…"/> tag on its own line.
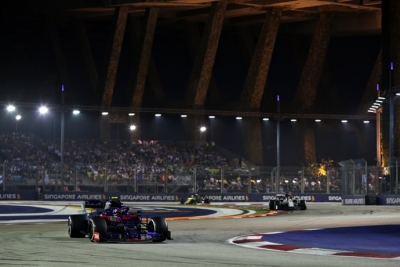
<point x="141" y="197"/>
<point x="306" y="197"/>
<point x="149" y="198"/>
<point x="73" y="196"/>
<point x="76" y="196"/>
<point x="388" y="199"/>
<point x="353" y="200"/>
<point x="227" y="198"/>
<point x="29" y="195"/>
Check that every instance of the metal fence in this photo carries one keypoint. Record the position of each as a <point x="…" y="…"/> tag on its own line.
<point x="351" y="177"/>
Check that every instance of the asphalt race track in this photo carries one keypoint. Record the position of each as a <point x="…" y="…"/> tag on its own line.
<point x="206" y="242"/>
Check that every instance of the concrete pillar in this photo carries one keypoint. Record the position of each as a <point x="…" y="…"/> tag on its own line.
<point x="204" y="62"/>
<point x="305" y="136"/>
<point x="143" y="36"/>
<point x="146" y="46"/>
<point x="255" y="84"/>
<point x="258" y="71"/>
<point x="193" y="39"/>
<point x="306" y="94"/>
<point x="120" y="17"/>
<point x="395" y="58"/>
<point x="369" y="97"/>
<point x="200" y="77"/>
<point x="252" y="140"/>
<point x="141" y="75"/>
<point x="391" y="78"/>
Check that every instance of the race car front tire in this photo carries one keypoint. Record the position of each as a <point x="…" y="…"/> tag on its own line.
<point x="77" y="225"/>
<point x="98" y="225"/>
<point x="277" y="204"/>
<point x="302" y="204"/>
<point x="160" y="226"/>
<point x="272" y="205"/>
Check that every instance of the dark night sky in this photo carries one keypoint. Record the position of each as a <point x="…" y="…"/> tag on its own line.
<point x="28" y="73"/>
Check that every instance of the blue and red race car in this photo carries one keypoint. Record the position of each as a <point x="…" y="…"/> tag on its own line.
<point x="116" y="223"/>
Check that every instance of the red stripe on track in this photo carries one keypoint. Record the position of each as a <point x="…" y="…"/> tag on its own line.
<point x="367" y="255"/>
<point x="242" y="241"/>
<point x="281" y="247"/>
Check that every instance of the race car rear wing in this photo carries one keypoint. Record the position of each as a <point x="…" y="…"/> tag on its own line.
<point x="93" y="204"/>
<point x="96" y="204"/>
<point x="99" y="205"/>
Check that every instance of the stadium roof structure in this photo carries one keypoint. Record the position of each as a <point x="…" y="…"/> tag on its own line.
<point x="359" y="16"/>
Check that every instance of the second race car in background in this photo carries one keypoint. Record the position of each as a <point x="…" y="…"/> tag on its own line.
<point x="287" y="202"/>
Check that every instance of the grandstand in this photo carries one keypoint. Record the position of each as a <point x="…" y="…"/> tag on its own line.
<point x="94" y="165"/>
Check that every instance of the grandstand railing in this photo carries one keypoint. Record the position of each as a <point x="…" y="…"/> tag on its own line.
<point x="345" y="180"/>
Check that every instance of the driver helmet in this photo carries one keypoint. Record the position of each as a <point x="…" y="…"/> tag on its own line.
<point x="113" y="202"/>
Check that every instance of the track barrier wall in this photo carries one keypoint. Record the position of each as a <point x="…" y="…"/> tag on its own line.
<point x="143" y="197"/>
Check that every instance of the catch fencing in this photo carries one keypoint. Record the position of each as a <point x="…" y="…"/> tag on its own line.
<point x="351" y="177"/>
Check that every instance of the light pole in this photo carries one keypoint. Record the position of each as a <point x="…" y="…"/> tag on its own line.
<point x="62" y="137"/>
<point x="278" y="141"/>
<point x="17" y="118"/>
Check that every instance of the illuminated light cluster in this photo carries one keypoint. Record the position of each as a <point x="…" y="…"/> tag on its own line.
<point x="376" y="106"/>
<point x="10" y="108"/>
<point x="43" y="110"/>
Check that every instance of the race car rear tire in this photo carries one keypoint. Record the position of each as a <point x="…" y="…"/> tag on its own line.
<point x="76" y="225"/>
<point x="302" y="204"/>
<point x="207" y="201"/>
<point x="272" y="205"/>
<point x="99" y="225"/>
<point x="160" y="226"/>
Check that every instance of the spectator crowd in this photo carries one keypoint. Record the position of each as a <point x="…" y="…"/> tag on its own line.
<point x="28" y="158"/>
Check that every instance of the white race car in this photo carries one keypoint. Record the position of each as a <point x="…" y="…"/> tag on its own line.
<point x="287" y="202"/>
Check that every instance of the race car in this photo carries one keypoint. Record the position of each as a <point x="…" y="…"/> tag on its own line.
<point x="195" y="199"/>
<point x="287" y="202"/>
<point x="114" y="222"/>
